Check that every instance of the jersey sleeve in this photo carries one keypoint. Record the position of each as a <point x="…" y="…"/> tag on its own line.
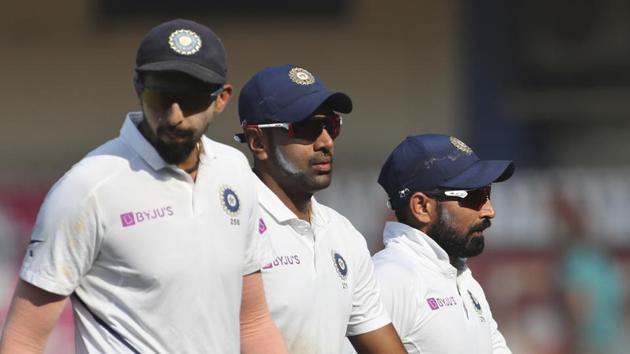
<point x="258" y="245"/>
<point x="65" y="239"/>
<point x="368" y="313"/>
<point x="399" y="295"/>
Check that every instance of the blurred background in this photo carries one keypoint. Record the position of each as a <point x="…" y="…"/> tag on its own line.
<point x="544" y="83"/>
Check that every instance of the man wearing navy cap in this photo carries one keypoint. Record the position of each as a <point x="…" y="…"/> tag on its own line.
<point x="320" y="283"/>
<point x="440" y="192"/>
<point x="154" y="235"/>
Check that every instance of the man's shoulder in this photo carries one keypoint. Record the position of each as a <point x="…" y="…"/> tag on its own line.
<point x="398" y="267"/>
<point x="338" y="221"/>
<point x="225" y="153"/>
<point x="98" y="166"/>
<point x="392" y="261"/>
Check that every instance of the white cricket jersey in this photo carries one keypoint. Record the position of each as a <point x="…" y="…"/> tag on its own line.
<point x="434" y="307"/>
<point x="320" y="285"/>
<point x="153" y="260"/>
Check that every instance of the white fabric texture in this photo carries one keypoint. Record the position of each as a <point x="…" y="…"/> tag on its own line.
<point x="158" y="257"/>
<point x="320" y="285"/>
<point x="434" y="307"/>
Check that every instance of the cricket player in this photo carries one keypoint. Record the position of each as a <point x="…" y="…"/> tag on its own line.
<point x="320" y="283"/>
<point x="440" y="192"/>
<point x="153" y="235"/>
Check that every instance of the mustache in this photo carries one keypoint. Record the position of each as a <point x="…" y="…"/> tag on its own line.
<point x="321" y="157"/>
<point x="481" y="226"/>
<point x="174" y="131"/>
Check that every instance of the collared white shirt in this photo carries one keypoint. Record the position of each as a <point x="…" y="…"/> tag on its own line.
<point x="154" y="260"/>
<point x="434" y="307"/>
<point x="320" y="285"/>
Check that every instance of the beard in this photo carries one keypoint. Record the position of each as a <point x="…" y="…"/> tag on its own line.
<point x="457" y="244"/>
<point x="176" y="152"/>
<point x="292" y="175"/>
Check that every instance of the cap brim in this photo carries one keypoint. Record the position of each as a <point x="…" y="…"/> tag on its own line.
<point x="195" y="70"/>
<point x="481" y="173"/>
<point x="305" y="106"/>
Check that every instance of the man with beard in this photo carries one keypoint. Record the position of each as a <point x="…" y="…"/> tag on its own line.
<point x="320" y="283"/>
<point x="153" y="235"/>
<point x="440" y="192"/>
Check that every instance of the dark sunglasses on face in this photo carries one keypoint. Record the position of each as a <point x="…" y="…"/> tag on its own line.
<point x="309" y="129"/>
<point x="473" y="199"/>
<point x="188" y="101"/>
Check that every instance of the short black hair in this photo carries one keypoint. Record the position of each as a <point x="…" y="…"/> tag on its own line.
<point x="402" y="214"/>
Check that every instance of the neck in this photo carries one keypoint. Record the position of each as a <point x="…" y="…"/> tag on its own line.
<point x="191" y="163"/>
<point x="457" y="262"/>
<point x="299" y="202"/>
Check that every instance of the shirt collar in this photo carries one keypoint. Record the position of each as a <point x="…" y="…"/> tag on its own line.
<point x="419" y="243"/>
<point x="279" y="211"/>
<point x="130" y="133"/>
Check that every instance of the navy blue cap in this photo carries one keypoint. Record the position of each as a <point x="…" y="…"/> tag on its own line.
<point x="183" y="46"/>
<point x="285" y="94"/>
<point x="430" y="162"/>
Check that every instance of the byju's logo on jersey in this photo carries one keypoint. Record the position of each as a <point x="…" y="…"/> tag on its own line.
<point x="436" y="303"/>
<point x="262" y="227"/>
<point x="135" y="217"/>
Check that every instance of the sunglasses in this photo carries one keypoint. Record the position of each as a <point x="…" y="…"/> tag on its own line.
<point x="188" y="101"/>
<point x="309" y="129"/>
<point x="473" y="199"/>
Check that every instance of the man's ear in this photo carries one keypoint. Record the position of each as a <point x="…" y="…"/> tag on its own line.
<point x="258" y="143"/>
<point x="422" y="207"/>
<point x="137" y="85"/>
<point x="223" y="98"/>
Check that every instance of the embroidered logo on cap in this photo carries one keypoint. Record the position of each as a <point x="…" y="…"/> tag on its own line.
<point x="301" y="76"/>
<point x="184" y="42"/>
<point x="460" y="145"/>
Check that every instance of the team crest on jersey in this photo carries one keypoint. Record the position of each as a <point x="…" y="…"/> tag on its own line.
<point x="475" y="302"/>
<point x="301" y="76"/>
<point x="230" y="201"/>
<point x="340" y="265"/>
<point x="184" y="42"/>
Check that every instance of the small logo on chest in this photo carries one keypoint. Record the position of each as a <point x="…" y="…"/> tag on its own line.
<point x="435" y="303"/>
<point x="136" y="217"/>
<point x="283" y="261"/>
<point x="230" y="203"/>
<point x="341" y="267"/>
<point x="477" y="306"/>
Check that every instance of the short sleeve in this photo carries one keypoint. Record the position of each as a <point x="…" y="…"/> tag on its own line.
<point x="65" y="239"/>
<point x="368" y="313"/>
<point x="399" y="299"/>
<point x="257" y="245"/>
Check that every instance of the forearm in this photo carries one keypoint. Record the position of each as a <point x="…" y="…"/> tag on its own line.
<point x="259" y="334"/>
<point x="32" y="316"/>
<point x="381" y="341"/>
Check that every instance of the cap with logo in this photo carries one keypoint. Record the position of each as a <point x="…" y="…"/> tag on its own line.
<point x="430" y="162"/>
<point x="286" y="94"/>
<point x="183" y="46"/>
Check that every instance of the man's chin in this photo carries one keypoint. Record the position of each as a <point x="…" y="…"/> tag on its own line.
<point x="320" y="182"/>
<point x="174" y="153"/>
